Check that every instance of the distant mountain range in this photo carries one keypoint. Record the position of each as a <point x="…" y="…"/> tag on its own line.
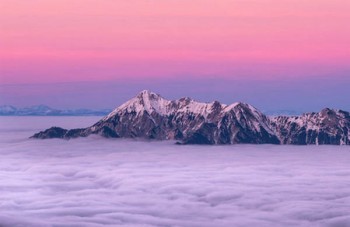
<point x="42" y="110"/>
<point x="150" y="116"/>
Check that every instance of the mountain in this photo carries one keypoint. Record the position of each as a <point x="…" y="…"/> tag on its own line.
<point x="150" y="116"/>
<point x="282" y="113"/>
<point x="42" y="110"/>
<point x="7" y="110"/>
<point x="326" y="127"/>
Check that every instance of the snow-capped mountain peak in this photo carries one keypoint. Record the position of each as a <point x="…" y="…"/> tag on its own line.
<point x="145" y="101"/>
<point x="7" y="109"/>
<point x="148" y="115"/>
<point x="147" y="96"/>
<point x="151" y="102"/>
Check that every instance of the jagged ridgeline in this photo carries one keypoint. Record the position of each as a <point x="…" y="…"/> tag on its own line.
<point x="150" y="116"/>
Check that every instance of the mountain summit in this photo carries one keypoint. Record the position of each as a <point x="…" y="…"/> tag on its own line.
<point x="150" y="116"/>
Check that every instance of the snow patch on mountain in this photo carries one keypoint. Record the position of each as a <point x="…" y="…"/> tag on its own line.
<point x="152" y="102"/>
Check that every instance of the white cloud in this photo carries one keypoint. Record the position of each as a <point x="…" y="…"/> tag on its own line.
<point x="100" y="182"/>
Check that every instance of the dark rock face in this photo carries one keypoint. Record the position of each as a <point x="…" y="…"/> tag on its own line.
<point x="53" y="132"/>
<point x="150" y="116"/>
<point x="57" y="132"/>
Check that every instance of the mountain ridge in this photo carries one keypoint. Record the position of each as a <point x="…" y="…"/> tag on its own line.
<point x="43" y="110"/>
<point x="150" y="116"/>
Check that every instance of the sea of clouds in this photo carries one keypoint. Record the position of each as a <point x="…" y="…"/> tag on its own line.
<point x="116" y="182"/>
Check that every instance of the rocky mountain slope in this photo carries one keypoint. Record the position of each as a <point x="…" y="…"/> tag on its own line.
<point x="150" y="116"/>
<point x="326" y="127"/>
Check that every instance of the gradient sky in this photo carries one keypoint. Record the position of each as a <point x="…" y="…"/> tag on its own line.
<point x="229" y="50"/>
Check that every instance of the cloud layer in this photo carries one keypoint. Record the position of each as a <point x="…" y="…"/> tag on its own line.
<point x="99" y="182"/>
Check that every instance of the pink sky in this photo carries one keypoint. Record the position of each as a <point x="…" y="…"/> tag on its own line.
<point x="44" y="41"/>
